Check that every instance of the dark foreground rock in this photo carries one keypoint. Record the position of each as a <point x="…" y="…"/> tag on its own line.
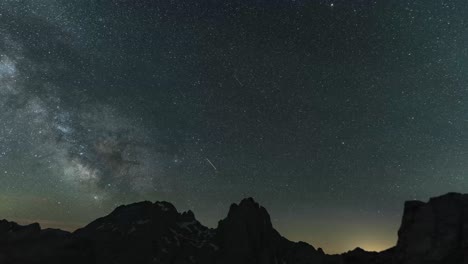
<point x="435" y="232"/>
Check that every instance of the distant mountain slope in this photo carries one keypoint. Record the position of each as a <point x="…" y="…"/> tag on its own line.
<point x="145" y="232"/>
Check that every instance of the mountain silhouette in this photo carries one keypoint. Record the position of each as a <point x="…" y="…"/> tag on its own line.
<point x="435" y="232"/>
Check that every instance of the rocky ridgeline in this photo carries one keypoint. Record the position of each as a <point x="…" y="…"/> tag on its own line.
<point x="435" y="232"/>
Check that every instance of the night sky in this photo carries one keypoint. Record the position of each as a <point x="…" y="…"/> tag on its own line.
<point x="329" y="113"/>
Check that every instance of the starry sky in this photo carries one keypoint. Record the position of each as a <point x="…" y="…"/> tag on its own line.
<point x="330" y="113"/>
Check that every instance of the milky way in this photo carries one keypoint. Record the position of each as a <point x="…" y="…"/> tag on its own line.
<point x="54" y="134"/>
<point x="88" y="146"/>
<point x="329" y="113"/>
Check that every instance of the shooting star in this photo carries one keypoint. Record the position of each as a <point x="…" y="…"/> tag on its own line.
<point x="237" y="79"/>
<point x="212" y="165"/>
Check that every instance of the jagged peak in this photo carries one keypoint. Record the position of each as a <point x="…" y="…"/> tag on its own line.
<point x="146" y="205"/>
<point x="249" y="202"/>
<point x="188" y="214"/>
<point x="145" y="215"/>
<point x="247" y="213"/>
<point x="248" y="207"/>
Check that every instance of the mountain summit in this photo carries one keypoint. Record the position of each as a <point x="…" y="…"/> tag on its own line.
<point x="435" y="232"/>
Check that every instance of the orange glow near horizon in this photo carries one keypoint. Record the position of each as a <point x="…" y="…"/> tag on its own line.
<point x="341" y="234"/>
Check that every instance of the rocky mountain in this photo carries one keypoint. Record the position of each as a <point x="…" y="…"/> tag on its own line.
<point x="435" y="232"/>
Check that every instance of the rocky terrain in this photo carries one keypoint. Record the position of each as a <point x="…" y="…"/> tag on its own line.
<point x="435" y="232"/>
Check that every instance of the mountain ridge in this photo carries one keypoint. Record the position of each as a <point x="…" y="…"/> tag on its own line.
<point x="155" y="232"/>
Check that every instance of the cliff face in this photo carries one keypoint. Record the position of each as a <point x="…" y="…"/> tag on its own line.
<point x="435" y="232"/>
